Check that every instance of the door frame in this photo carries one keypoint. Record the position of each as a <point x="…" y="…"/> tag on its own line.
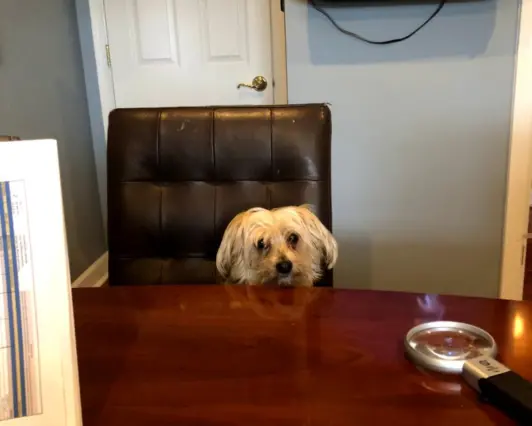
<point x="519" y="175"/>
<point x="99" y="84"/>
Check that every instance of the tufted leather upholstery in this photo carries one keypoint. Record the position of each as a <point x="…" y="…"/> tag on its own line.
<point x="177" y="176"/>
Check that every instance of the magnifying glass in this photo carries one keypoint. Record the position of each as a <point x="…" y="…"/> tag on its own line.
<point x="458" y="348"/>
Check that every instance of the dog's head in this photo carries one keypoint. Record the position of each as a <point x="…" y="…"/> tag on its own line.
<point x="287" y="246"/>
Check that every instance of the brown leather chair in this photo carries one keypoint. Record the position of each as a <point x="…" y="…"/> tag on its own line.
<point x="177" y="176"/>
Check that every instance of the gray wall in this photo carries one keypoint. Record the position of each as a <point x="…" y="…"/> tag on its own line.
<point x="42" y="95"/>
<point x="420" y="139"/>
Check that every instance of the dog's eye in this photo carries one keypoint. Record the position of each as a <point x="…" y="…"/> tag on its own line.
<point x="260" y="244"/>
<point x="293" y="239"/>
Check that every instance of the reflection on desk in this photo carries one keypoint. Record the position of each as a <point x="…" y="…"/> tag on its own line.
<point x="238" y="355"/>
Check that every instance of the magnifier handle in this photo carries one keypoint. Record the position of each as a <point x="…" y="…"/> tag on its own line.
<point x="510" y="393"/>
<point x="501" y="387"/>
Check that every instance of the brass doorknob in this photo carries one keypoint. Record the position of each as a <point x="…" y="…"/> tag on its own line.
<point x="259" y="84"/>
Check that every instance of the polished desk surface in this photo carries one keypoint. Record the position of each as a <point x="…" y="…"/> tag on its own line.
<point x="235" y="355"/>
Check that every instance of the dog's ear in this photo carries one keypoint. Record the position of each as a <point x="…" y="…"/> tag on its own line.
<point x="310" y="207"/>
<point x="320" y="235"/>
<point x="231" y="246"/>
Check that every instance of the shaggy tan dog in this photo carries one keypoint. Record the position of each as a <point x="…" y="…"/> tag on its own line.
<point x="284" y="246"/>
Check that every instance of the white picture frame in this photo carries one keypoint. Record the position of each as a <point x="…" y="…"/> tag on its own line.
<point x="39" y="373"/>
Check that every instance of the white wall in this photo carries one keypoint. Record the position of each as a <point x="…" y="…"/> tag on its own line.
<point x="420" y="139"/>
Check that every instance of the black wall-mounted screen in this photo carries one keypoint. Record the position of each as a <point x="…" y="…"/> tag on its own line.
<point x="384" y="2"/>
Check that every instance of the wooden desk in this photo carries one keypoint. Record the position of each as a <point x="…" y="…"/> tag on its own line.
<point x="217" y="355"/>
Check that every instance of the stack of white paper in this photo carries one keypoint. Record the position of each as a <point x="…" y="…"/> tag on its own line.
<point x="20" y="394"/>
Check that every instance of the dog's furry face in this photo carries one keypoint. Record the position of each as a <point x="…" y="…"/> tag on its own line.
<point x="286" y="246"/>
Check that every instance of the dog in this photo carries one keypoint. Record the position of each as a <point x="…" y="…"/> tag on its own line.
<point x="287" y="246"/>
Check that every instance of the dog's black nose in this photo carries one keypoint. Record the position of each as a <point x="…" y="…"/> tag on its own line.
<point x="284" y="267"/>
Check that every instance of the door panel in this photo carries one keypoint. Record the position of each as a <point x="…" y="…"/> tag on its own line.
<point x="189" y="52"/>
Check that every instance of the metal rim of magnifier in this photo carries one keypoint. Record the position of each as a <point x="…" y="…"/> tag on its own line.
<point x="442" y="365"/>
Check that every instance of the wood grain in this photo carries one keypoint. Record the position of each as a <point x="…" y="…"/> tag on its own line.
<point x="217" y="355"/>
<point x="527" y="284"/>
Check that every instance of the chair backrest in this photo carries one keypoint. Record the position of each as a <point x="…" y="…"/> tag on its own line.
<point x="177" y="176"/>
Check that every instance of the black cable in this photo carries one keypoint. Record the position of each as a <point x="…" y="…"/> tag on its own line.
<point x="359" y="37"/>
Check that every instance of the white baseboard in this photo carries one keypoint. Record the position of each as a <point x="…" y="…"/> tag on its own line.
<point x="95" y="275"/>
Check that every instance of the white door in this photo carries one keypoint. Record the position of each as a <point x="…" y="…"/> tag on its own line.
<point x="519" y="166"/>
<point x="189" y="52"/>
